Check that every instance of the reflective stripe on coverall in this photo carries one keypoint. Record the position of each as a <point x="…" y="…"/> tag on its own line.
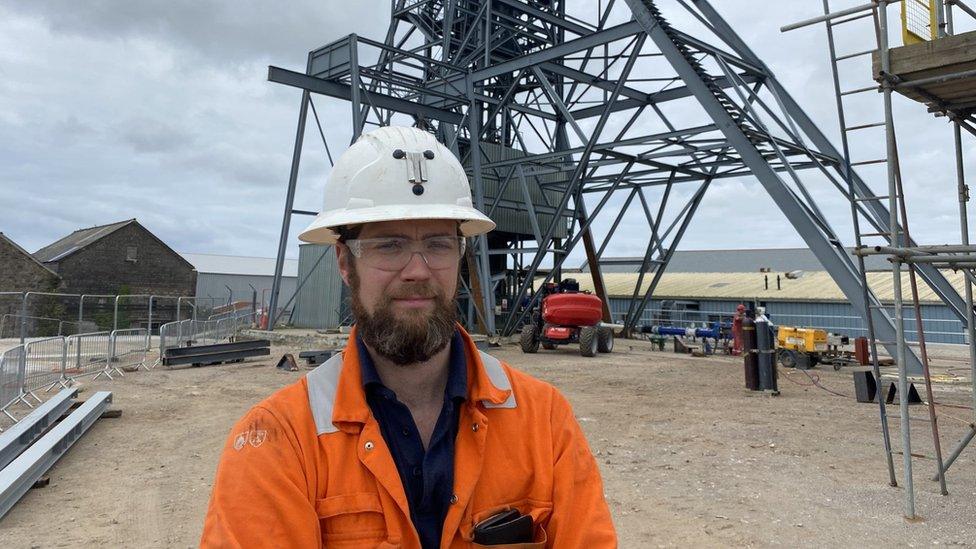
<point x="308" y="467"/>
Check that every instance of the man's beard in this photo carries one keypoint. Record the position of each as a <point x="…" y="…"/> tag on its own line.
<point x="409" y="337"/>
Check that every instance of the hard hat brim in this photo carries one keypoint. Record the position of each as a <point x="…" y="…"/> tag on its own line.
<point x="323" y="229"/>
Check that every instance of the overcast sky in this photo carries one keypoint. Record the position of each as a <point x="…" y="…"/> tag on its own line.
<point x="161" y="111"/>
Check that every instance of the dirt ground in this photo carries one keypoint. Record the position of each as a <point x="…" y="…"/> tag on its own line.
<point x="689" y="458"/>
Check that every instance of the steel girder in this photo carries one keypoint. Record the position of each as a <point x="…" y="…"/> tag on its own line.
<point x="876" y="212"/>
<point x="546" y="83"/>
<point x="828" y="250"/>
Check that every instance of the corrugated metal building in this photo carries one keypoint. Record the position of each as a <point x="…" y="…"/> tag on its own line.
<point x="812" y="300"/>
<point x="318" y="301"/>
<point x="217" y="273"/>
<point x="733" y="261"/>
<point x="684" y="298"/>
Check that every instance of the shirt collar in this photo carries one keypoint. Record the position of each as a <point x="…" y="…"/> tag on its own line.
<point x="457" y="369"/>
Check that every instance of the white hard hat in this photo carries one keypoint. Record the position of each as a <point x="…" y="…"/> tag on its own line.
<point x="395" y="173"/>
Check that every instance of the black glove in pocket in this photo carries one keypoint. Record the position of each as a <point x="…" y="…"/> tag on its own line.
<point x="509" y="526"/>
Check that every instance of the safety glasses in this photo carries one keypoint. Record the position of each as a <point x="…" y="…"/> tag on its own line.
<point x="393" y="253"/>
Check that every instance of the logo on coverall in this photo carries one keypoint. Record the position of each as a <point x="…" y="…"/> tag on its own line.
<point x="254" y="437"/>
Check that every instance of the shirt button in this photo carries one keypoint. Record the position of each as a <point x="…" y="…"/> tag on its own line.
<point x="474" y="427"/>
<point x="368" y="445"/>
<point x="406" y="432"/>
<point x="416" y="471"/>
<point x="453" y="499"/>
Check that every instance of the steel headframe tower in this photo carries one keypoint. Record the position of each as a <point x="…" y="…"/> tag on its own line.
<point x="606" y="102"/>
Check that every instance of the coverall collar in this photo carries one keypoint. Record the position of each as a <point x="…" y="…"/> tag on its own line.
<point x="351" y="410"/>
<point x="457" y="384"/>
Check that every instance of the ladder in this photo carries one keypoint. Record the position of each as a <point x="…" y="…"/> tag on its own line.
<point x="897" y="234"/>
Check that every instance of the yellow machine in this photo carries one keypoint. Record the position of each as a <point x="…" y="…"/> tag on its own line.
<point x="806" y="347"/>
<point x="807" y="340"/>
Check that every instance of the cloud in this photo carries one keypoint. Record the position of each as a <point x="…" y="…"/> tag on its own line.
<point x="161" y="110"/>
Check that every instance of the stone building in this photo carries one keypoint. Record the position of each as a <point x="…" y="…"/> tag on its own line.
<point x="121" y="257"/>
<point x="20" y="272"/>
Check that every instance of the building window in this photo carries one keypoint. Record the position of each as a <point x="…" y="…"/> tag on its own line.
<point x="130" y="254"/>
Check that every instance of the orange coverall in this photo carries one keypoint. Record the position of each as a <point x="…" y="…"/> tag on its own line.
<point x="308" y="467"/>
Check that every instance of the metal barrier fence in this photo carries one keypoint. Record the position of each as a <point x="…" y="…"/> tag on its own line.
<point x="128" y="348"/>
<point x="86" y="354"/>
<point x="44" y="364"/>
<point x="11" y="378"/>
<point x="186" y="333"/>
<point x="169" y="335"/>
<point x="11" y="324"/>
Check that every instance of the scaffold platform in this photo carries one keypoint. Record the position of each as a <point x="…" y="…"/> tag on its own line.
<point x="940" y="73"/>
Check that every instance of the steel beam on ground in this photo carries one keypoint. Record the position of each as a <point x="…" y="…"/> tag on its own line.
<point x="217" y="357"/>
<point x="18" y="477"/>
<point x="22" y="434"/>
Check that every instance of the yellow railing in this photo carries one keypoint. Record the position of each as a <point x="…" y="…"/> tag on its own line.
<point x="919" y="21"/>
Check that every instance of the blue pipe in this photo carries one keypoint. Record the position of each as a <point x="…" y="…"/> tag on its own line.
<point x="714" y="331"/>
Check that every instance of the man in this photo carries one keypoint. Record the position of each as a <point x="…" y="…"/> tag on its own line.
<point x="411" y="437"/>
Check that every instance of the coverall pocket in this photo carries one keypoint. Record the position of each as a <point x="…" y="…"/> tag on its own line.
<point x="539" y="543"/>
<point x="353" y="520"/>
<point x="538" y="510"/>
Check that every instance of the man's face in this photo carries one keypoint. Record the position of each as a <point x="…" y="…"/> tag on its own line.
<point x="407" y="315"/>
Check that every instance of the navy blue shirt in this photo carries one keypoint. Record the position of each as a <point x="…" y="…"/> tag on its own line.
<point x="427" y="477"/>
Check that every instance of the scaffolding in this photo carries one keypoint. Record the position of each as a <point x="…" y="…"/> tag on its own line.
<point x="925" y="74"/>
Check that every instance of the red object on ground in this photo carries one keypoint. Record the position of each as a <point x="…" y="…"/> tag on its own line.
<point x="740" y="312"/>
<point x="572" y="309"/>
<point x="558" y="332"/>
<point x="861" y="352"/>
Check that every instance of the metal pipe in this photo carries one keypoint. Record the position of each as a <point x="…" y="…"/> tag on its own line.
<point x="963" y="192"/>
<point x="917" y="250"/>
<point x="896" y="240"/>
<point x="953" y="266"/>
<point x="151" y="298"/>
<point x="961" y="5"/>
<point x="958" y="450"/>
<point x="935" y="79"/>
<point x="834" y="15"/>
<point x="941" y="259"/>
<point x="23" y="318"/>
<point x="950" y="28"/>
<point x="940" y="19"/>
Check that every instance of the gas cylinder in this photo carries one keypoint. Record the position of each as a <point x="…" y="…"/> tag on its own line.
<point x="750" y="353"/>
